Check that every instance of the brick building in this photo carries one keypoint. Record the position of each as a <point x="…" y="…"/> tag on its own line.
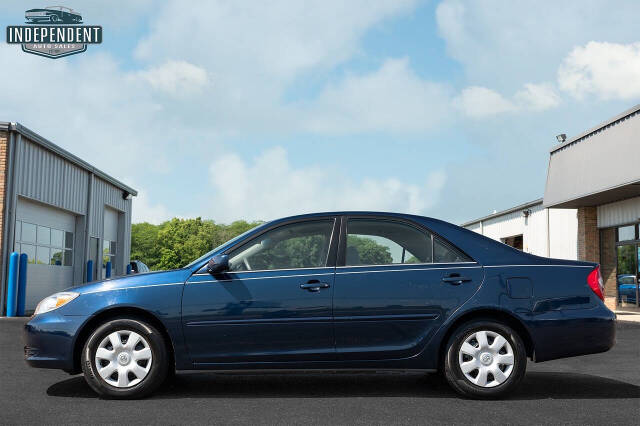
<point x="59" y="210"/>
<point x="592" y="196"/>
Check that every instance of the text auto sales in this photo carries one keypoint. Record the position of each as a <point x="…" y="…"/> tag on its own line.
<point x="54" y="34"/>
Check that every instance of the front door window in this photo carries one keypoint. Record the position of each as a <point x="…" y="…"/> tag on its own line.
<point x="300" y="245"/>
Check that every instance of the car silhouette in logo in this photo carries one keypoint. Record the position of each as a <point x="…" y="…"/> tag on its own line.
<point x="53" y="15"/>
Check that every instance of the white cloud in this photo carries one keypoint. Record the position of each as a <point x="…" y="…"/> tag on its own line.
<point x="92" y="108"/>
<point x="129" y="119"/>
<point x="176" y="77"/>
<point x="275" y="40"/>
<point x="605" y="70"/>
<point x="270" y="187"/>
<point x="254" y="54"/>
<point x="506" y="43"/>
<point x="477" y="102"/>
<point x="390" y="99"/>
<point x="144" y="210"/>
<point x="537" y="97"/>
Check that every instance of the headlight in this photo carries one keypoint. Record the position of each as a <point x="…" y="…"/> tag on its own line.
<point x="55" y="301"/>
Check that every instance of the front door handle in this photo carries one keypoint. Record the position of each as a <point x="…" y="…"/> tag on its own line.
<point x="313" y="285"/>
<point x="455" y="279"/>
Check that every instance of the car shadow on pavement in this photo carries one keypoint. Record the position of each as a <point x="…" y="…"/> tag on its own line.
<point x="536" y="385"/>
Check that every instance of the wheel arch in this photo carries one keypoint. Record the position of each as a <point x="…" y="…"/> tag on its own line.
<point x="119" y="312"/>
<point x="493" y="314"/>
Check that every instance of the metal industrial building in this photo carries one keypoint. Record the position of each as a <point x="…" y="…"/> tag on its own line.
<point x="590" y="210"/>
<point x="59" y="210"/>
<point x="532" y="228"/>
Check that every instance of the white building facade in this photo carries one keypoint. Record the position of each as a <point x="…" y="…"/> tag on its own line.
<point x="590" y="210"/>
<point x="533" y="229"/>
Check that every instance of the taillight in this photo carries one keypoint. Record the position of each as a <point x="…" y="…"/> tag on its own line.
<point x="594" y="279"/>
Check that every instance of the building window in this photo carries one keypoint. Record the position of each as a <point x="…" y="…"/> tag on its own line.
<point x="628" y="233"/>
<point x="108" y="255"/>
<point x="515" y="241"/>
<point x="44" y="245"/>
<point x="628" y="265"/>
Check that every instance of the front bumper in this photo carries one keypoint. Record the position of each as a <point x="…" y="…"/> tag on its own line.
<point x="49" y="340"/>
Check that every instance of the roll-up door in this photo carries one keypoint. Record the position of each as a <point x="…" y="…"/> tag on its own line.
<point x="46" y="235"/>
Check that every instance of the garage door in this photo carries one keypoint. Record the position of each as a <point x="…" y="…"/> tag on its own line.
<point x="45" y="234"/>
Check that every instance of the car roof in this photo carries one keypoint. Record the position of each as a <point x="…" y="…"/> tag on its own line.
<point x="479" y="247"/>
<point x="350" y="213"/>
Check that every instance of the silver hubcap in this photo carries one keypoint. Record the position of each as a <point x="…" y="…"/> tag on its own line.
<point x="486" y="358"/>
<point x="123" y="358"/>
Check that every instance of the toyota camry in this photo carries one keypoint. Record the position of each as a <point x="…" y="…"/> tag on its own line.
<point x="347" y="290"/>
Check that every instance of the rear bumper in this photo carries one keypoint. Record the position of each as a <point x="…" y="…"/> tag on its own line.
<point x="49" y="339"/>
<point x="566" y="333"/>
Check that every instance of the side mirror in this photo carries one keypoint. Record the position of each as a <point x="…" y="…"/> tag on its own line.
<point x="218" y="263"/>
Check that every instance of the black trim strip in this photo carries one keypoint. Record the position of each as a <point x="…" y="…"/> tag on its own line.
<point x="409" y="317"/>
<point x="258" y="321"/>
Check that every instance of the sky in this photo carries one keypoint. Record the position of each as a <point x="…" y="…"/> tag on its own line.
<point x="256" y="110"/>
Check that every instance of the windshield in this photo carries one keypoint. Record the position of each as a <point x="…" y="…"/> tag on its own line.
<point x="234" y="239"/>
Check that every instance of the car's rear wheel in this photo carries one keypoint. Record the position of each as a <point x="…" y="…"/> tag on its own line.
<point x="125" y="358"/>
<point x="485" y="359"/>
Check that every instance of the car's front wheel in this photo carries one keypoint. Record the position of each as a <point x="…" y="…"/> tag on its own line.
<point x="125" y="358"/>
<point x="485" y="359"/>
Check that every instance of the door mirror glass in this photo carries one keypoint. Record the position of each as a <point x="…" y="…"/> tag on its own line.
<point x="218" y="263"/>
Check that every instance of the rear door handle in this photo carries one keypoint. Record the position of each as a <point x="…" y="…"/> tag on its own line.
<point x="455" y="279"/>
<point x="313" y="285"/>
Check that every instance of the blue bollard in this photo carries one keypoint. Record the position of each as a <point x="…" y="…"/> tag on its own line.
<point x="128" y="269"/>
<point x="22" y="284"/>
<point x="89" y="271"/>
<point x="12" y="284"/>
<point x="108" y="272"/>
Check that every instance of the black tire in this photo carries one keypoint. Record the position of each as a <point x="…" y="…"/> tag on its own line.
<point x="159" y="362"/>
<point x="459" y="381"/>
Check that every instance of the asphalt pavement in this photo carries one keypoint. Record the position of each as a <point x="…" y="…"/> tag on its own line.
<point x="593" y="389"/>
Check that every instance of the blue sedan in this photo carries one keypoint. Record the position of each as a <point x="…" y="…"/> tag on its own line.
<point x="627" y="288"/>
<point x="346" y="290"/>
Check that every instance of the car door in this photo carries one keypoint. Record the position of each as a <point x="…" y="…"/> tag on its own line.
<point x="274" y="303"/>
<point x="395" y="284"/>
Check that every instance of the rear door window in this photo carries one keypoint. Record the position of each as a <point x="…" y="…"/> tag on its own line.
<point x="383" y="242"/>
<point x="388" y="242"/>
<point x="445" y="253"/>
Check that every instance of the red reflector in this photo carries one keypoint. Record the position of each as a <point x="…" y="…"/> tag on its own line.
<point x="595" y="282"/>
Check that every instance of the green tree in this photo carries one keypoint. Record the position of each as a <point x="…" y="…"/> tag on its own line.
<point x="182" y="240"/>
<point x="226" y="232"/>
<point x="300" y="252"/>
<point x="177" y="242"/>
<point x="412" y="259"/>
<point x="144" y="243"/>
<point x="369" y="251"/>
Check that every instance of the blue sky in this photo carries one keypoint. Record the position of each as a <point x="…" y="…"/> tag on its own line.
<point x="255" y="110"/>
